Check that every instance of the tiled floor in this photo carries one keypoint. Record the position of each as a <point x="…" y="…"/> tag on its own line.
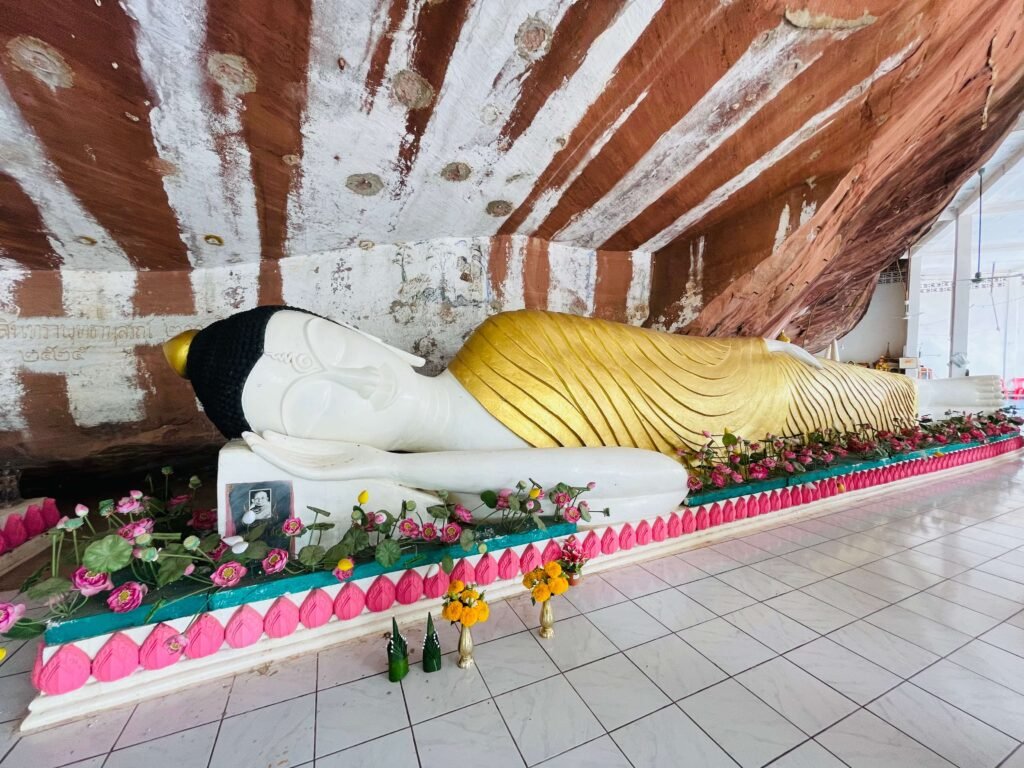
<point x="889" y="632"/>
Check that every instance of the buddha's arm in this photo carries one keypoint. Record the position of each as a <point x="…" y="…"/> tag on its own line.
<point x="620" y="472"/>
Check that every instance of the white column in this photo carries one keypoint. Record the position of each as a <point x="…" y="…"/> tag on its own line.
<point x="958" y="323"/>
<point x="912" y="347"/>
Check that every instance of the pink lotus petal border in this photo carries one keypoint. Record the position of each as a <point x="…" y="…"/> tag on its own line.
<point x="65" y="668"/>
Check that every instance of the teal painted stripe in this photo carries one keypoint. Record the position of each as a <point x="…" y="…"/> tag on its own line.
<point x="104" y="622"/>
<point x="842" y="468"/>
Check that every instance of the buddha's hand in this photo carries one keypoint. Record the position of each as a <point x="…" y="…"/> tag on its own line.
<point x="320" y="459"/>
<point x="792" y="350"/>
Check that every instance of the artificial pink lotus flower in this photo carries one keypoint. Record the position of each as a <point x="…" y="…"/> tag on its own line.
<point x="409" y="528"/>
<point x="203" y="519"/>
<point x="429" y="532"/>
<point x="9" y="615"/>
<point x="177" y="501"/>
<point x="572" y="514"/>
<point x="346" y="567"/>
<point x="462" y="514"/>
<point x="89" y="583"/>
<point x="127" y="597"/>
<point x="451" y="533"/>
<point x="127" y="505"/>
<point x="217" y="552"/>
<point x="275" y="561"/>
<point x="693" y="483"/>
<point x="228" y="574"/>
<point x="81" y="510"/>
<point x="291" y="527"/>
<point x="591" y="485"/>
<point x="176" y="643"/>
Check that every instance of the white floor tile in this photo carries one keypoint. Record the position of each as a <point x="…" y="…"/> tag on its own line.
<point x="994" y="663"/>
<point x="876" y="585"/>
<point x="810" y="754"/>
<point x="928" y="563"/>
<point x="996" y="585"/>
<point x="467" y="737"/>
<point x="675" y="666"/>
<point x="547" y="718"/>
<point x="726" y="645"/>
<point x="743" y="725"/>
<point x="710" y="561"/>
<point x="616" y="691"/>
<point x="963" y="740"/>
<point x="16" y="691"/>
<point x="865" y="741"/>
<point x="667" y="738"/>
<point x="904" y="574"/>
<point x="846" y="552"/>
<point x="593" y="593"/>
<point x="867" y="542"/>
<point x="717" y="596"/>
<point x="810" y="611"/>
<point x="768" y="542"/>
<point x="797" y="535"/>
<point x="427" y="695"/>
<point x="599" y="753"/>
<point x="741" y="552"/>
<point x="885" y="649"/>
<point x="844" y="597"/>
<point x="975" y="599"/>
<point x="90" y="736"/>
<point x="825" y="530"/>
<point x="1006" y="636"/>
<point x="800" y="697"/>
<point x="674" y="570"/>
<point x="939" y="548"/>
<point x="351" y="660"/>
<point x="791" y="574"/>
<point x="280" y="735"/>
<point x="674" y="609"/>
<point x="634" y="581"/>
<point x="191" y="747"/>
<point x="396" y="750"/>
<point x="177" y="712"/>
<point x="576" y="642"/>
<point x="626" y="625"/>
<point x="930" y="635"/>
<point x="818" y="562"/>
<point x="952" y="615"/>
<point x="365" y="709"/>
<point x="986" y="700"/>
<point x="513" y="661"/>
<point x="1004" y="570"/>
<point x="272" y="683"/>
<point x="768" y="626"/>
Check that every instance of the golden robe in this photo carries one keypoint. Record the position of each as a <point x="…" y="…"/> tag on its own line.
<point x="563" y="381"/>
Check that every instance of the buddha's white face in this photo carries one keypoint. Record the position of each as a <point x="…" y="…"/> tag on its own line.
<point x="318" y="379"/>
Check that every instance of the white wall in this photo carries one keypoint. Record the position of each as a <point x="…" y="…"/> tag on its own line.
<point x="882" y="326"/>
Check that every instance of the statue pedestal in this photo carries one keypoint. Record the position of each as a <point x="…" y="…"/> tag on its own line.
<point x="247" y="482"/>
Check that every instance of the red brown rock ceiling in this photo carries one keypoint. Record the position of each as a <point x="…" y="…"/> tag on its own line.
<point x="705" y="166"/>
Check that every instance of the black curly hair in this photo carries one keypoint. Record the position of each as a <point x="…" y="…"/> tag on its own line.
<point x="220" y="358"/>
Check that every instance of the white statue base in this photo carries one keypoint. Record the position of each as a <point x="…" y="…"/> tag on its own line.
<point x="245" y="481"/>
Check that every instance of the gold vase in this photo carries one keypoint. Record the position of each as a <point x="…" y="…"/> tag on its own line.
<point x="465" y="649"/>
<point x="547" y="620"/>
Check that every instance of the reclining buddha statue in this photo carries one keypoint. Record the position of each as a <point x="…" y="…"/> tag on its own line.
<point x="531" y="394"/>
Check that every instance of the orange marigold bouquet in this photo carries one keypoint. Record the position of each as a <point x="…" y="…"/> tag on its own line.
<point x="465" y="605"/>
<point x="545" y="582"/>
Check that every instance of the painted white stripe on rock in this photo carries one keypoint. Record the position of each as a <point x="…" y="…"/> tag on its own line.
<point x="484" y="80"/>
<point x="23" y="158"/>
<point x="512" y="287"/>
<point x="211" y="192"/>
<point x="573" y="279"/>
<point x="757" y="77"/>
<point x="514" y="173"/>
<point x="11" y="275"/>
<point x="339" y="138"/>
<point x="638" y="298"/>
<point x="549" y="198"/>
<point x="781" y="150"/>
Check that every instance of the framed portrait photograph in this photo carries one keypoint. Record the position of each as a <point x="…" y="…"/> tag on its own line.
<point x="266" y="503"/>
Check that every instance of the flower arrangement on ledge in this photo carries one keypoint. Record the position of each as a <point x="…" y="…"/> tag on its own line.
<point x="729" y="460"/>
<point x="153" y="549"/>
